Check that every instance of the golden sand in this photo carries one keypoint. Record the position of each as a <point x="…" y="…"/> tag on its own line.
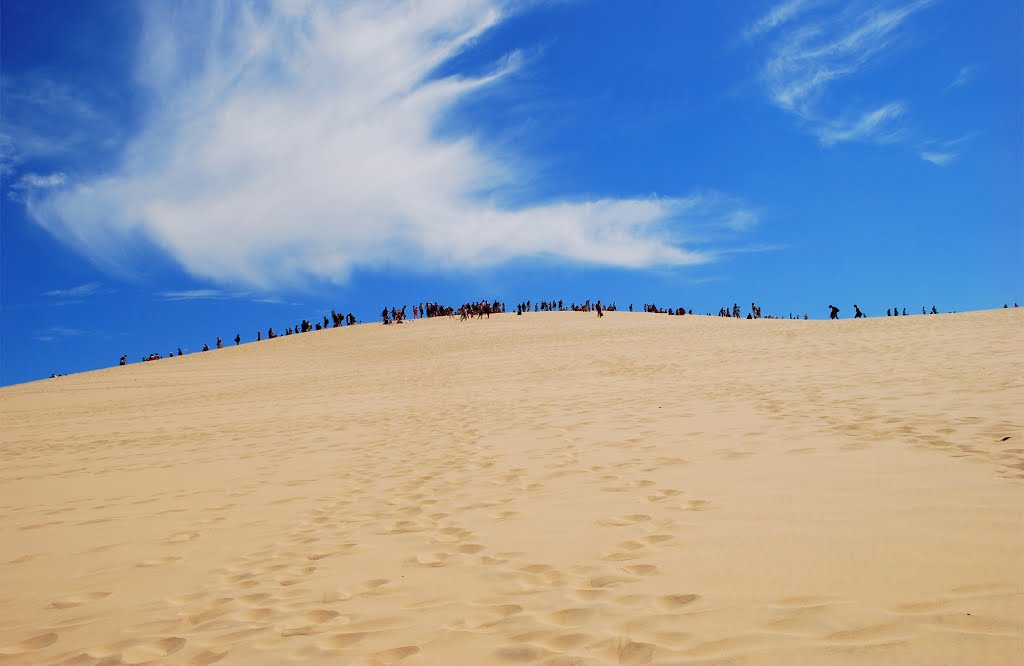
<point x="551" y="488"/>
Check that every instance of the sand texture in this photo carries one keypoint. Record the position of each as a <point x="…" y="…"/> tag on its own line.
<point x="551" y="489"/>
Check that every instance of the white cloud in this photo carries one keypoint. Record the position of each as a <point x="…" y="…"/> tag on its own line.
<point x="34" y="181"/>
<point x="86" y="289"/>
<point x="942" y="152"/>
<point x="962" y="77"/>
<point x="939" y="159"/>
<point x="54" y="333"/>
<point x="875" y="125"/>
<point x="809" y="59"/>
<point x="778" y="15"/>
<point x="192" y="295"/>
<point x="302" y="141"/>
<point x="44" y="119"/>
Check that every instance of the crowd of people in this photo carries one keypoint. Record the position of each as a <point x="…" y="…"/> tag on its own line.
<point x="483" y="309"/>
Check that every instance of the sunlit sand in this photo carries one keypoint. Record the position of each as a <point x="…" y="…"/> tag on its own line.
<point x="551" y="488"/>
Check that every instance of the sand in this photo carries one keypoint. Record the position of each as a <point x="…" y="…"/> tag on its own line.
<point x="551" y="489"/>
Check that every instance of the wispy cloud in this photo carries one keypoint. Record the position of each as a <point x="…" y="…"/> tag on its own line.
<point x="963" y="77"/>
<point x="943" y="152"/>
<point x="34" y="181"/>
<point x="876" y="125"/>
<point x="778" y="15"/>
<point x="193" y="295"/>
<point x="940" y="159"/>
<point x="301" y="141"/>
<point x="45" y="118"/>
<point x="87" y="289"/>
<point x="54" y="333"/>
<point x="812" y="57"/>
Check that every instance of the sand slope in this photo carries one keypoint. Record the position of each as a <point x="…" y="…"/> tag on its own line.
<point x="541" y="489"/>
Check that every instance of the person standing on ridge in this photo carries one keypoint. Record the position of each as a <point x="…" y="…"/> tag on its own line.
<point x="238" y="338"/>
<point x="857" y="313"/>
<point x="833" y="312"/>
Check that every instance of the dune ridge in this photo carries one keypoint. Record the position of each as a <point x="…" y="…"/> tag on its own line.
<point x="551" y="489"/>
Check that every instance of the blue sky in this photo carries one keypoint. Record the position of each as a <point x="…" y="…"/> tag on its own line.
<point x="175" y="171"/>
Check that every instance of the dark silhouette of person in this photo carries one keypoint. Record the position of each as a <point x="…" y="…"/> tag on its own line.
<point x="206" y="347"/>
<point x="833" y="312"/>
<point x="220" y="345"/>
<point x="888" y="312"/>
<point x="934" y="311"/>
<point x="238" y="338"/>
<point x="124" y="360"/>
<point x="904" y="312"/>
<point x="271" y="334"/>
<point x="179" y="351"/>
<point x="857" y="313"/>
<point x="895" y="312"/>
<point x="259" y="336"/>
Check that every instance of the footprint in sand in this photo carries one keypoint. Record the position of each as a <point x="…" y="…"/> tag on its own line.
<point x="30" y="644"/>
<point x="623" y="521"/>
<point x="77" y="600"/>
<point x="152" y="650"/>
<point x="182" y="537"/>
<point x="158" y="562"/>
<point x="677" y="601"/>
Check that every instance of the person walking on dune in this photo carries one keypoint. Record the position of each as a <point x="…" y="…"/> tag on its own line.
<point x="857" y="313"/>
<point x="833" y="312"/>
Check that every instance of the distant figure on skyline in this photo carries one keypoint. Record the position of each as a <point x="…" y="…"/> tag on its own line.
<point x="833" y="312"/>
<point x="220" y="345"/>
<point x="179" y="351"/>
<point x="904" y="312"/>
<point x="206" y="347"/>
<point x="238" y="338"/>
<point x="857" y="313"/>
<point x="124" y="360"/>
<point x="888" y="312"/>
<point x="259" y="336"/>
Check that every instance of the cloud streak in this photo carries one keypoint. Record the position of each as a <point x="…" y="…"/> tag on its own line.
<point x="300" y="141"/>
<point x="809" y="59"/>
<point x="87" y="289"/>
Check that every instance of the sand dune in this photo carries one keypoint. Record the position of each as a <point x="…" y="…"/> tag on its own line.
<point x="550" y="489"/>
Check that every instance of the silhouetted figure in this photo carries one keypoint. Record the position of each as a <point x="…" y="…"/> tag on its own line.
<point x="259" y="336"/>
<point x="124" y="360"/>
<point x="857" y="313"/>
<point x="179" y="351"/>
<point x="206" y="347"/>
<point x="833" y="312"/>
<point x="904" y="312"/>
<point x="600" y="312"/>
<point x="238" y="338"/>
<point x="270" y="334"/>
<point x="934" y="311"/>
<point x="888" y="312"/>
<point x="895" y="312"/>
<point x="384" y="316"/>
<point x="220" y="345"/>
